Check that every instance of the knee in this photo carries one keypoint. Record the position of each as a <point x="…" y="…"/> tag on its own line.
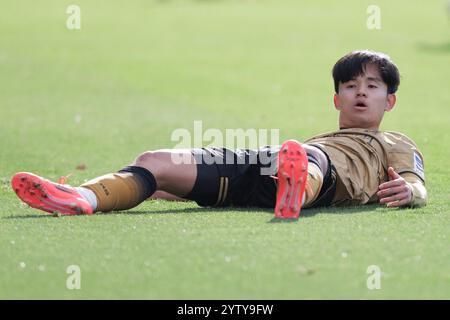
<point x="323" y="161"/>
<point x="319" y="156"/>
<point x="151" y="160"/>
<point x="144" y="158"/>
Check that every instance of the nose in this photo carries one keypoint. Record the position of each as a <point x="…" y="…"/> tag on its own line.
<point x="361" y="92"/>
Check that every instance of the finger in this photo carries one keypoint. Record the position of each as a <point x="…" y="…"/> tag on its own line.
<point x="392" y="174"/>
<point x="392" y="183"/>
<point x="395" y="198"/>
<point x="391" y="191"/>
<point x="398" y="203"/>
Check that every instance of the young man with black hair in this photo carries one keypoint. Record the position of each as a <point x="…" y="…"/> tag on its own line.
<point x="356" y="165"/>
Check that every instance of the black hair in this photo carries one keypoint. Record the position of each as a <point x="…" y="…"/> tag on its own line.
<point x="353" y="64"/>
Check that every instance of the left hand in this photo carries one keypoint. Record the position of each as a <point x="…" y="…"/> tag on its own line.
<point x="396" y="192"/>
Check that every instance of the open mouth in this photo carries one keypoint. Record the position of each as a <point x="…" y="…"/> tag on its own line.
<point x="361" y="105"/>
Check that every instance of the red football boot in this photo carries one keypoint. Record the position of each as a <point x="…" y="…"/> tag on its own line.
<point x="292" y="175"/>
<point x="45" y="195"/>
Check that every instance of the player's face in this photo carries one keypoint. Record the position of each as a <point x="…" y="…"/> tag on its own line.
<point x="363" y="100"/>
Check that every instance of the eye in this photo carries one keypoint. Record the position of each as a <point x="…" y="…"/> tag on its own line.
<point x="372" y="86"/>
<point x="350" y="86"/>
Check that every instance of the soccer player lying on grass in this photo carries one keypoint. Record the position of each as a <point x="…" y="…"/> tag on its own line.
<point x="356" y="165"/>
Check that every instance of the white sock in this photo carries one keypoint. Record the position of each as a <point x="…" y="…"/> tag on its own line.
<point x="89" y="195"/>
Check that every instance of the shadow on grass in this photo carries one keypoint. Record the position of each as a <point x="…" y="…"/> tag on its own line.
<point x="311" y="212"/>
<point x="140" y="212"/>
<point x="305" y="213"/>
<point x="29" y="216"/>
<point x="199" y="210"/>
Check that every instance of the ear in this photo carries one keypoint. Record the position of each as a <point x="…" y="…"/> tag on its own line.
<point x="390" y="101"/>
<point x="337" y="103"/>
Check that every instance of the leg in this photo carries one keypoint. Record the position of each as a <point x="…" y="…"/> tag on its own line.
<point x="318" y="166"/>
<point x="115" y="191"/>
<point x="292" y="184"/>
<point x="159" y="194"/>
<point x="318" y="155"/>
<point x="292" y="178"/>
<point x="170" y="175"/>
<point x="171" y="171"/>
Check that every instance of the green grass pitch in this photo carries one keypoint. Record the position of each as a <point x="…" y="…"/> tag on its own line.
<point x="136" y="71"/>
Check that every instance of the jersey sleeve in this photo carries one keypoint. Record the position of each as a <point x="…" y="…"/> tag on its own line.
<point x="403" y="155"/>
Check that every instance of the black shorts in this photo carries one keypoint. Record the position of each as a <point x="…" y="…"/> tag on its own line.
<point x="244" y="178"/>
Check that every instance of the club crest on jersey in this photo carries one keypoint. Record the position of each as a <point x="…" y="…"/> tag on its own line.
<point x="418" y="165"/>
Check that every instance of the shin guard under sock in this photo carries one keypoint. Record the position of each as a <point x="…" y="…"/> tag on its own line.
<point x="314" y="183"/>
<point x="122" y="190"/>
